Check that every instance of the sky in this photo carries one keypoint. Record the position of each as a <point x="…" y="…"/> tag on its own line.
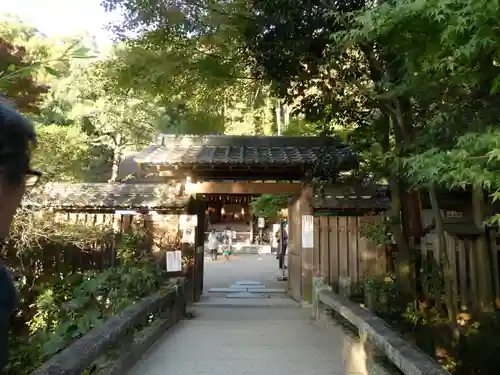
<point x="64" y="17"/>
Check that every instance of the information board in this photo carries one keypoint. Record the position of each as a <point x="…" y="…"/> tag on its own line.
<point x="188" y="221"/>
<point x="307" y="231"/>
<point x="261" y="222"/>
<point x="174" y="261"/>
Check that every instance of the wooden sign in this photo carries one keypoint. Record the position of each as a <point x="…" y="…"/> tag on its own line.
<point x="307" y="231"/>
<point x="174" y="261"/>
<point x="261" y="222"/>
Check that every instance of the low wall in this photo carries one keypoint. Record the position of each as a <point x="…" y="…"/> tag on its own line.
<point x="115" y="346"/>
<point x="406" y="357"/>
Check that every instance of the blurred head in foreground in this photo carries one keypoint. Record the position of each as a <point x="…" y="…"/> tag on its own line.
<point x="17" y="140"/>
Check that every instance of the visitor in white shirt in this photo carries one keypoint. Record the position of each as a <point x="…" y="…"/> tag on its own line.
<point x="213" y="244"/>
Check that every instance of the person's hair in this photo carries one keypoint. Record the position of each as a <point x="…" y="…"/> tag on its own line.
<point x="17" y="138"/>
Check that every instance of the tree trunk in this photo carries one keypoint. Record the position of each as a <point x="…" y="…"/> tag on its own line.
<point x="278" y="116"/>
<point x="286" y="115"/>
<point x="399" y="216"/>
<point x="404" y="267"/>
<point x="486" y="294"/>
<point x="450" y="293"/>
<point x="117" y="158"/>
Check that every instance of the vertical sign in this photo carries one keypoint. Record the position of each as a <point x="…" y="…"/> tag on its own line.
<point x="307" y="231"/>
<point x="274" y="240"/>
<point x="187" y="224"/>
<point x="188" y="221"/>
<point x="261" y="222"/>
<point x="174" y="261"/>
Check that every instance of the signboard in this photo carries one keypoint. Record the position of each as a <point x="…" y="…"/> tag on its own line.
<point x="261" y="222"/>
<point x="274" y="240"/>
<point x="188" y="235"/>
<point x="307" y="231"/>
<point x="174" y="261"/>
<point x="125" y="212"/>
<point x="188" y="221"/>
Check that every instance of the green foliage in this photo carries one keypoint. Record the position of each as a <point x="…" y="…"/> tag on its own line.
<point x="269" y="205"/>
<point x="378" y="233"/>
<point x="63" y="155"/>
<point x="412" y="85"/>
<point x="389" y="303"/>
<point x="68" y="307"/>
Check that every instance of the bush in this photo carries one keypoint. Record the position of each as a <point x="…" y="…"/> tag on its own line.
<point x="67" y="286"/>
<point x="474" y="353"/>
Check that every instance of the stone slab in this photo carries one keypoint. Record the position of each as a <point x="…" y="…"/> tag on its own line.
<point x="248" y="282"/>
<point x="267" y="290"/>
<point x="237" y="286"/>
<point x="271" y="302"/>
<point x="228" y="290"/>
<point x="247" y="295"/>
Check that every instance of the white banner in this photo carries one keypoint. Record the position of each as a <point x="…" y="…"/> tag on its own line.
<point x="261" y="222"/>
<point x="188" y="221"/>
<point x="188" y="235"/>
<point x="307" y="231"/>
<point x="174" y="261"/>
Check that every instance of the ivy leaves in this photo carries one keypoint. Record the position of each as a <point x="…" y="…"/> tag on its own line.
<point x="269" y="205"/>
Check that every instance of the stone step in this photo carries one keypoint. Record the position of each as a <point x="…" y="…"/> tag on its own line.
<point x="267" y="290"/>
<point x="240" y="289"/>
<point x="227" y="290"/>
<point x="223" y="302"/>
<point x="247" y="295"/>
<point x="259" y="286"/>
<point x="248" y="282"/>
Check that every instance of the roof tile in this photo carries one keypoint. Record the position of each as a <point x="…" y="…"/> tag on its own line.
<point x="97" y="195"/>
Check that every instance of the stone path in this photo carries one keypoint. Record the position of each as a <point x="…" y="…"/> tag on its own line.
<point x="268" y="335"/>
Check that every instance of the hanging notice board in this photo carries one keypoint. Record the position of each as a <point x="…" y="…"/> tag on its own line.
<point x="307" y="231"/>
<point x="174" y="261"/>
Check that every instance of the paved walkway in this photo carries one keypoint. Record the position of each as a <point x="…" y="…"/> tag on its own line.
<point x="265" y="337"/>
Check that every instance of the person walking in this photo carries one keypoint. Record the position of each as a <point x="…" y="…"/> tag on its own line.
<point x="17" y="139"/>
<point x="282" y="247"/>
<point x="213" y="244"/>
<point x="227" y="241"/>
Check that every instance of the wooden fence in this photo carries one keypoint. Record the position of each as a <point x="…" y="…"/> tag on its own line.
<point x="341" y="255"/>
<point x="345" y="259"/>
<point x="464" y="277"/>
<point x="162" y="229"/>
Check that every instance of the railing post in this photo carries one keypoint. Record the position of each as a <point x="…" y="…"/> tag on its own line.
<point x="125" y="344"/>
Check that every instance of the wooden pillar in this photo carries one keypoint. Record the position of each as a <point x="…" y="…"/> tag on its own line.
<point x="251" y="228"/>
<point x="197" y="207"/>
<point x="307" y="258"/>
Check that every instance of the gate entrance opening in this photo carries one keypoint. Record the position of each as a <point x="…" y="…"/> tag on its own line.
<point x="222" y="173"/>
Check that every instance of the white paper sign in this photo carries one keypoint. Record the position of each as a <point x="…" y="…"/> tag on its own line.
<point x="307" y="231"/>
<point x="188" y="221"/>
<point x="125" y="212"/>
<point x="261" y="222"/>
<point x="276" y="228"/>
<point x="188" y="235"/>
<point x="174" y="261"/>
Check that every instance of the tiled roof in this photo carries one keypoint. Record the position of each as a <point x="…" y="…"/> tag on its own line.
<point x="220" y="150"/>
<point x="66" y="195"/>
<point x="347" y="197"/>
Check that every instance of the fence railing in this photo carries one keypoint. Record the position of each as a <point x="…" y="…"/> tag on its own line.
<point x="406" y="357"/>
<point x="122" y="334"/>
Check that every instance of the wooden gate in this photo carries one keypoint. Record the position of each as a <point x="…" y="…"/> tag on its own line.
<point x="299" y="259"/>
<point x="197" y="207"/>
<point x="294" y="252"/>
